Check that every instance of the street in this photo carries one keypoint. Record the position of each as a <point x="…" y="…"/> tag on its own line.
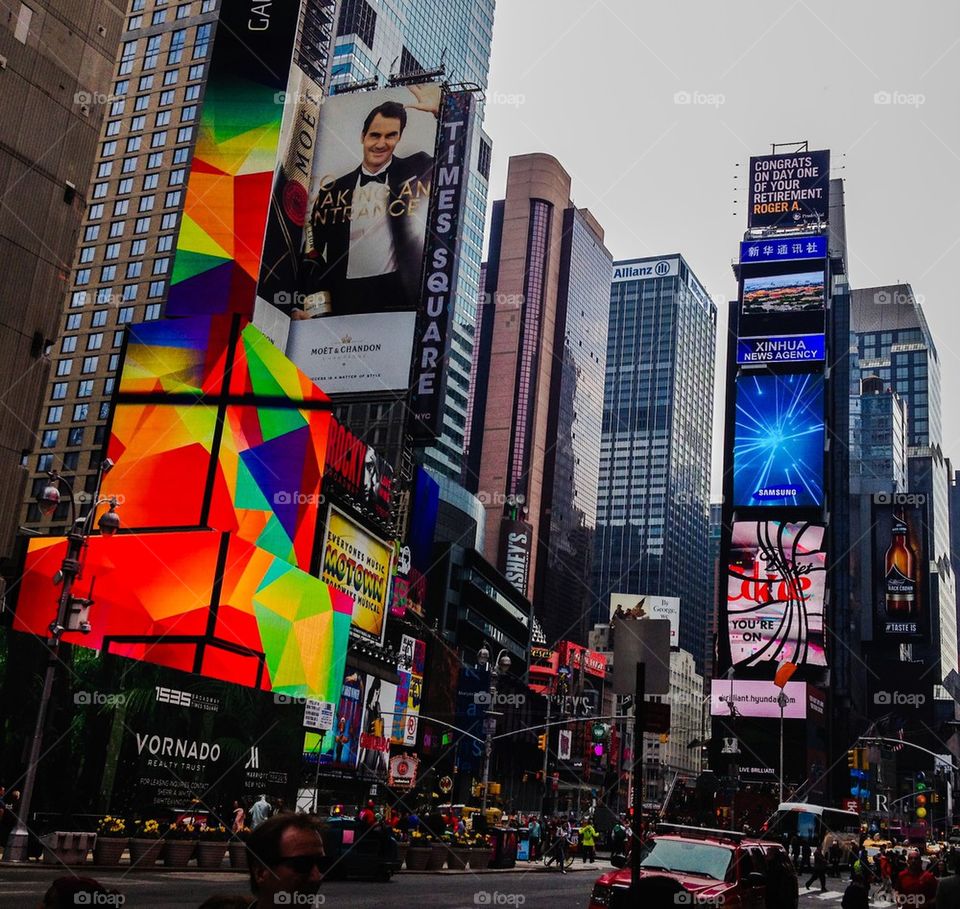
<point x="533" y="889"/>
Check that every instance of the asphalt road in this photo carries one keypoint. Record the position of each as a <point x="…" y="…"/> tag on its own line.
<point x="23" y="888"/>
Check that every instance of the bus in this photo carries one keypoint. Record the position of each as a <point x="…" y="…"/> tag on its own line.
<point x="815" y="825"/>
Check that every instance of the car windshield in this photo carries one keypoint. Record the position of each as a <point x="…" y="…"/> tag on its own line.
<point x="688" y="857"/>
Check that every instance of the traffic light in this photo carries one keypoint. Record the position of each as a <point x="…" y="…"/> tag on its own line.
<point x="920" y="791"/>
<point x="855" y="758"/>
<point x="542" y="741"/>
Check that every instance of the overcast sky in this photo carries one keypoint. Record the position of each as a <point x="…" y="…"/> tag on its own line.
<point x="650" y="107"/>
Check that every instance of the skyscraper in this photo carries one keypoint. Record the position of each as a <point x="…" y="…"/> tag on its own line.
<point x="653" y="503"/>
<point x="123" y="265"/>
<point x="377" y="39"/>
<point x="535" y="438"/>
<point x="57" y="61"/>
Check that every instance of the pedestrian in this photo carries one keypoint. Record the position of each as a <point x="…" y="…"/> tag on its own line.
<point x="535" y="832"/>
<point x="285" y="858"/>
<point x="915" y="881"/>
<point x="819" y="870"/>
<point x="618" y="839"/>
<point x="835" y="853"/>
<point x="588" y="841"/>
<point x="260" y="811"/>
<point x="795" y="851"/>
<point x="367" y="816"/>
<point x="239" y="817"/>
<point x="857" y="894"/>
<point x="805" y="857"/>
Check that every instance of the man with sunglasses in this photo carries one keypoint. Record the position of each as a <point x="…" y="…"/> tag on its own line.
<point x="285" y="856"/>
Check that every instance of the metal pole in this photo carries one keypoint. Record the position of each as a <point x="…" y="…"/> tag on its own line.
<point x="639" y="719"/>
<point x="546" y="754"/>
<point x="488" y="746"/>
<point x="782" y="699"/>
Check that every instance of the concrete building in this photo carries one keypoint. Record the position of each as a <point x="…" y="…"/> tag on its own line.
<point x="535" y="439"/>
<point x="653" y="499"/>
<point x="55" y="90"/>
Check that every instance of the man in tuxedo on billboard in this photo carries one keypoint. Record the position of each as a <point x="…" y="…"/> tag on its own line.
<point x="365" y="236"/>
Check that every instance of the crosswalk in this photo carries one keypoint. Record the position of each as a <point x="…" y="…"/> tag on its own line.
<point x="835" y="896"/>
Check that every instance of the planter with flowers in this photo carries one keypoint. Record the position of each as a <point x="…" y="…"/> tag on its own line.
<point x="211" y="847"/>
<point x="458" y="852"/>
<point x="237" y="849"/>
<point x="419" y="851"/>
<point x="179" y="844"/>
<point x="480" y="852"/>
<point x="111" y="840"/>
<point x="145" y="844"/>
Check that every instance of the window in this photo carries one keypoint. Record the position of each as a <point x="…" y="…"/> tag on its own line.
<point x="49" y="438"/>
<point x="129" y="165"/>
<point x="96" y="212"/>
<point x="156" y="289"/>
<point x="153" y="311"/>
<point x="70" y="461"/>
<point x="184" y="134"/>
<point x="168" y="221"/>
<point x="54" y="414"/>
<point x="207" y="6"/>
<point x="188" y="113"/>
<point x="161" y="266"/>
<point x="181" y="155"/>
<point x="134" y="22"/>
<point x="105" y="410"/>
<point x="166" y="98"/>
<point x="183" y="10"/>
<point x="111" y="251"/>
<point x="80" y="412"/>
<point x="99" y="190"/>
<point x="151" y="181"/>
<point x="195" y="72"/>
<point x="116" y="229"/>
<point x="113" y="362"/>
<point x="117" y="338"/>
<point x="177" y="177"/>
<point x="78" y="298"/>
<point x="177" y="41"/>
<point x="146" y="203"/>
<point x="165" y="243"/>
<point x="153" y="49"/>
<point x="120" y="87"/>
<point x="113" y="128"/>
<point x="98" y="320"/>
<point x="95" y="341"/>
<point x="159" y="17"/>
<point x="90" y="364"/>
<point x="121" y="207"/>
<point x="134" y="269"/>
<point x="138" y="247"/>
<point x="44" y="463"/>
<point x="75" y="436"/>
<point x="104" y="169"/>
<point x="172" y="199"/>
<point x="125" y="186"/>
<point x="142" y="226"/>
<point x="125" y="315"/>
<point x="158" y="139"/>
<point x="138" y="123"/>
<point x="104" y="296"/>
<point x="116" y="107"/>
<point x="83" y="276"/>
<point x="155" y="160"/>
<point x="68" y="344"/>
<point x="133" y="143"/>
<point x="108" y="384"/>
<point x="129" y="292"/>
<point x="108" y="273"/>
<point x="99" y="435"/>
<point x="59" y="391"/>
<point x="142" y="102"/>
<point x="73" y="321"/>
<point x="64" y="367"/>
<point x="192" y="93"/>
<point x="203" y="40"/>
<point x="86" y="254"/>
<point x="162" y="118"/>
<point x="145" y="83"/>
<point x="108" y="148"/>
<point x="170" y="77"/>
<point x="85" y="388"/>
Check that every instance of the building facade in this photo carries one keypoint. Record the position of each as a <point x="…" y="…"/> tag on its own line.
<point x="377" y="39"/>
<point x="535" y="438"/>
<point x="56" y="91"/>
<point x="653" y="498"/>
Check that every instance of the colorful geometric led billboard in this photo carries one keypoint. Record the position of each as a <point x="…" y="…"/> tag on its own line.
<point x="775" y="593"/>
<point x="228" y="195"/>
<point x="779" y="440"/>
<point x="789" y="190"/>
<point x="200" y="601"/>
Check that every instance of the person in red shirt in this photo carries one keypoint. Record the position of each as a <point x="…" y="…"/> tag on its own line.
<point x="913" y="880"/>
<point x="368" y="815"/>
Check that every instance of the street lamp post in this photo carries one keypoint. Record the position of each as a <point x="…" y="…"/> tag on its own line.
<point x="71" y="616"/>
<point x="782" y="701"/>
<point x="502" y="666"/>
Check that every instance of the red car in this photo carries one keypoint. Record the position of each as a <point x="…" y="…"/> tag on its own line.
<point x="695" y="866"/>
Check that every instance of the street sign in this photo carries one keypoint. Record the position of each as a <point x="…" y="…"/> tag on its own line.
<point x="564" y="744"/>
<point x="644" y="641"/>
<point x="318" y="715"/>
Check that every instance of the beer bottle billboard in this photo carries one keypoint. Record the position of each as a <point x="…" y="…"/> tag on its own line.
<point x="899" y="576"/>
<point x="900" y="586"/>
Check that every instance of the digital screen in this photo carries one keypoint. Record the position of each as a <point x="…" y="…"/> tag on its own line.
<point x="758" y="699"/>
<point x="775" y="593"/>
<point x="789" y="190"/>
<point x="773" y="305"/>
<point x="778" y="440"/>
<point x="900" y="611"/>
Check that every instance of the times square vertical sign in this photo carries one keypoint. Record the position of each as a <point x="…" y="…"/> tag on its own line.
<point x="428" y="380"/>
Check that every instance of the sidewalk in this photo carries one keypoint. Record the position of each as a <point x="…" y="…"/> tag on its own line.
<point x="537" y="867"/>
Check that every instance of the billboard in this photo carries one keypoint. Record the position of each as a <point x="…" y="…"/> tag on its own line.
<point x="789" y="190"/>
<point x="516" y="550"/>
<point x="338" y="749"/>
<point x="645" y="270"/>
<point x="377" y="728"/>
<point x="645" y="606"/>
<point x="356" y="472"/>
<point x="758" y="699"/>
<point x="783" y="249"/>
<point x="228" y="195"/>
<point x="781" y="349"/>
<point x="775" y="593"/>
<point x="358" y="564"/>
<point x="778" y="304"/>
<point x="900" y="574"/>
<point x="779" y="435"/>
